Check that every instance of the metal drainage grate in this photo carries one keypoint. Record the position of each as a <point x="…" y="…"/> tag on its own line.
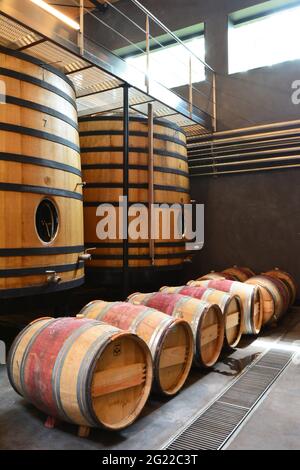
<point x="215" y="425"/>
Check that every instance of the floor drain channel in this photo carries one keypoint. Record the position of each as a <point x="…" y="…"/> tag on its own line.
<point x="212" y="428"/>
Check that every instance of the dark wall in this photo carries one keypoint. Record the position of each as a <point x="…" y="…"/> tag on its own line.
<point x="250" y="220"/>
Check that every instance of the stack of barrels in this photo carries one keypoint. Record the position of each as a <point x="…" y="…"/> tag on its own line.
<point x="98" y="369"/>
<point x="277" y="289"/>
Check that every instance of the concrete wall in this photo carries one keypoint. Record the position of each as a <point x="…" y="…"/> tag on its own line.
<point x="251" y="220"/>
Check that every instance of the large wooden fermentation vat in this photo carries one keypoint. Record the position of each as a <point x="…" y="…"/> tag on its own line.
<point x="41" y="209"/>
<point x="82" y="371"/>
<point x="101" y="140"/>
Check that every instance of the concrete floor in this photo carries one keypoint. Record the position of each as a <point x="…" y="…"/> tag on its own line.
<point x="274" y="424"/>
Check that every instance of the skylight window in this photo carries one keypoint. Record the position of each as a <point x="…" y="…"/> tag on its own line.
<point x="266" y="41"/>
<point x="170" y="66"/>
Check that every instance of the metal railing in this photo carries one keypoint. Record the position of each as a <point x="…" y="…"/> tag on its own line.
<point x="145" y="30"/>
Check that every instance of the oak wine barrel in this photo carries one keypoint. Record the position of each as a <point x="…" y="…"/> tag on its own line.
<point x="82" y="371"/>
<point x="101" y="140"/>
<point x="250" y="296"/>
<point x="40" y="179"/>
<point x="216" y="276"/>
<point x="288" y="280"/>
<point x="205" y="319"/>
<point x="240" y="274"/>
<point x="170" y="340"/>
<point x="268" y="300"/>
<point x="279" y="293"/>
<point x="230" y="306"/>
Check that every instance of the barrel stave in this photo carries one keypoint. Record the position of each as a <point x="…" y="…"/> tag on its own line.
<point x="240" y="274"/>
<point x="288" y="280"/>
<point x="278" y="292"/>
